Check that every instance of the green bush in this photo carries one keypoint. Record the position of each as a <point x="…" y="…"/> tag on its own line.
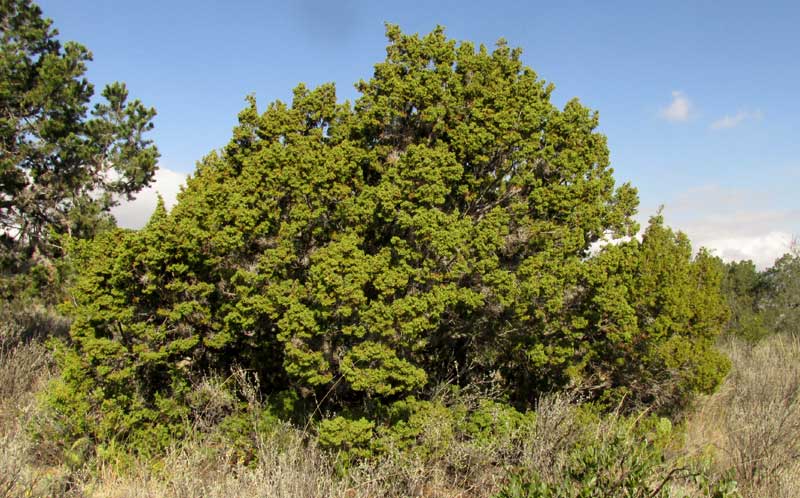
<point x="624" y="457"/>
<point x="353" y="437"/>
<point x="438" y="230"/>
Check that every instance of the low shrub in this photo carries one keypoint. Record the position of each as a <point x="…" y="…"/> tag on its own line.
<point x="619" y="457"/>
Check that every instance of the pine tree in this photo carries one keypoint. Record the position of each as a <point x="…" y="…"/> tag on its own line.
<point x="60" y="170"/>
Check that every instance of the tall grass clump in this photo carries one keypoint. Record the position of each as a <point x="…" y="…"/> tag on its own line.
<point x="456" y="444"/>
<point x="752" y="424"/>
<point x="24" y="369"/>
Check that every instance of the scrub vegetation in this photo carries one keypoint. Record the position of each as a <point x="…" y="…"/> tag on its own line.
<point x="435" y="290"/>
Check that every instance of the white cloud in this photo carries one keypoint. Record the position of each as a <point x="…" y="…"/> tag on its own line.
<point x="762" y="249"/>
<point x="679" y="109"/>
<point x="728" y="121"/>
<point x="735" y="224"/>
<point x="135" y="213"/>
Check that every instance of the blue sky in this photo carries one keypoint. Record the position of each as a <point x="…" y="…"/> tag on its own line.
<point x="698" y="99"/>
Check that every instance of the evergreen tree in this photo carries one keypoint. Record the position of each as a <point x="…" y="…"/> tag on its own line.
<point x="654" y="313"/>
<point x="780" y="298"/>
<point x="744" y="288"/>
<point x="60" y="170"/>
<point x="438" y="230"/>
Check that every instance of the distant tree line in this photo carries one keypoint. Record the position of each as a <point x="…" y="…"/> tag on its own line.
<point x="763" y="302"/>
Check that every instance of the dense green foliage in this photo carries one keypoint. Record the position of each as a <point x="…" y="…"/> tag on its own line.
<point x="780" y="298"/>
<point x="354" y="257"/>
<point x="742" y="286"/>
<point x="60" y="172"/>
<point x="654" y="313"/>
<point x="763" y="302"/>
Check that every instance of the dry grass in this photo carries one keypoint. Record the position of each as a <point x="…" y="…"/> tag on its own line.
<point x="25" y="366"/>
<point x="752" y="425"/>
<point x="24" y="369"/>
<point x="288" y="469"/>
<point x="290" y="465"/>
<point x="23" y="323"/>
<point x="556" y="431"/>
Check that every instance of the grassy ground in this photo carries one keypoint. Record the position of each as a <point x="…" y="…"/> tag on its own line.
<point x="752" y="424"/>
<point x="749" y="430"/>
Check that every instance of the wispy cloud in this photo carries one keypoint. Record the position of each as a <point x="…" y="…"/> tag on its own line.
<point x="135" y="213"/>
<point x="729" y="121"/>
<point x="679" y="109"/>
